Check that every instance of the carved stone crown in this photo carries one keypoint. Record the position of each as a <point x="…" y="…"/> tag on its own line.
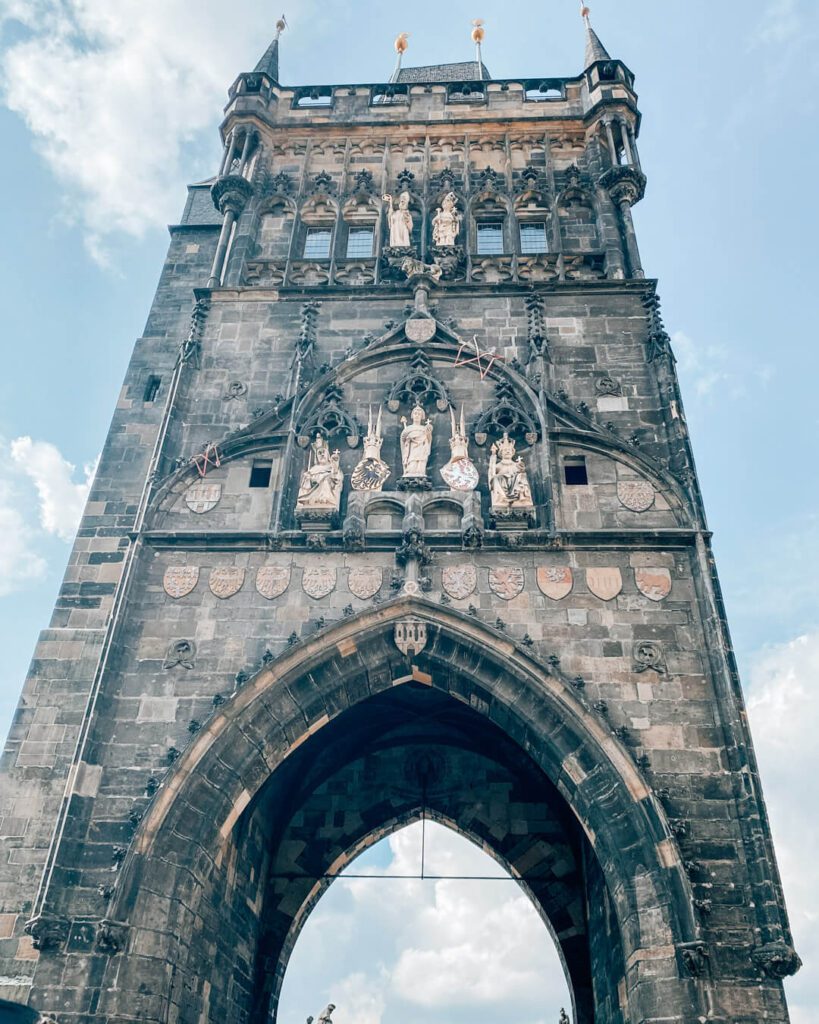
<point x="506" y="447"/>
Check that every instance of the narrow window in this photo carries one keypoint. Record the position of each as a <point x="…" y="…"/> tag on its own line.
<point x="151" y="388"/>
<point x="359" y="243"/>
<point x="490" y="238"/>
<point x="260" y="474"/>
<point x="532" y="238"/>
<point x="317" y="244"/>
<point x="574" y="471"/>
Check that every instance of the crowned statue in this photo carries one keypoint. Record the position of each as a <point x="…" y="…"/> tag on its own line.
<point x="447" y="222"/>
<point x="372" y="472"/>
<point x="459" y="473"/>
<point x="321" y="483"/>
<point x="509" y="488"/>
<point x="416" y="446"/>
<point x="399" y="220"/>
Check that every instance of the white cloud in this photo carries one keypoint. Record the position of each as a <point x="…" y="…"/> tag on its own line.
<point x="712" y="371"/>
<point x="783" y="706"/>
<point x="780" y="23"/>
<point x="61" y="500"/>
<point x="124" y="99"/>
<point x="19" y="561"/>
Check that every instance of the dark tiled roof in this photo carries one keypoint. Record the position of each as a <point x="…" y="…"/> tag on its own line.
<point x="466" y="71"/>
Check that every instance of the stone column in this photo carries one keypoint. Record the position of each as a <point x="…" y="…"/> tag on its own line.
<point x="230" y="195"/>
<point x="626" y="186"/>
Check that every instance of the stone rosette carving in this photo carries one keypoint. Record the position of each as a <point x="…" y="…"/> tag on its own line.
<point x="555" y="581"/>
<point x="777" y="960"/>
<point x="604" y="582"/>
<point x="506" y="582"/>
<point x="226" y="581"/>
<point x="655" y="584"/>
<point x="272" y="580"/>
<point x="203" y="497"/>
<point x="459" y="581"/>
<point x="648" y="656"/>
<point x="318" y="581"/>
<point x="365" y="582"/>
<point x="180" y="652"/>
<point x="180" y="580"/>
<point x="636" y="495"/>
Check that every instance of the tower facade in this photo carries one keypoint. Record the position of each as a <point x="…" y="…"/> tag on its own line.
<point x="397" y="516"/>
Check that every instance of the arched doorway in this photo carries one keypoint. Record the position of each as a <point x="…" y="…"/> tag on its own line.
<point x="342" y="741"/>
<point x="424" y="925"/>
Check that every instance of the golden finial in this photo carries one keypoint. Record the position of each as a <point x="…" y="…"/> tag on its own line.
<point x="281" y="25"/>
<point x="478" y="31"/>
<point x="401" y="43"/>
<point x="584" y="11"/>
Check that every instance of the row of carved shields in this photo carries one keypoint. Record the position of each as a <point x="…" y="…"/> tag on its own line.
<point x="458" y="581"/>
<point x="272" y="581"/>
<point x="555" y="581"/>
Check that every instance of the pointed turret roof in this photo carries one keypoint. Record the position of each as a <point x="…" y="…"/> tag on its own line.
<point x="594" y="48"/>
<point x="269" y="63"/>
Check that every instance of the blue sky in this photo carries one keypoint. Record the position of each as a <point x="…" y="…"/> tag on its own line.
<point x="106" y="111"/>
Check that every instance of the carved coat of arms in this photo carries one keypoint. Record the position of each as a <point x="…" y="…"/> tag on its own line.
<point x="636" y="495"/>
<point x="506" y="582"/>
<point x="420" y="330"/>
<point x="272" y="580"/>
<point x="459" y="581"/>
<point x="411" y="636"/>
<point x="655" y="584"/>
<point x="226" y="581"/>
<point x="605" y="583"/>
<point x="364" y="582"/>
<point x="318" y="582"/>
<point x="555" y="581"/>
<point x="179" y="580"/>
<point x="203" y="497"/>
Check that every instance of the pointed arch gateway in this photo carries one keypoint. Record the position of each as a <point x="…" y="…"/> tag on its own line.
<point x="343" y="740"/>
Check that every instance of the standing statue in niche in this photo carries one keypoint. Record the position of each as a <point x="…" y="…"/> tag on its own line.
<point x="447" y="222"/>
<point x="372" y="472"/>
<point x="321" y="482"/>
<point x="416" y="446"/>
<point x="400" y="221"/>
<point x="508" y="483"/>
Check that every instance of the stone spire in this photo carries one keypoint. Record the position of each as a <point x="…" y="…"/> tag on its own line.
<point x="594" y="48"/>
<point x="269" y="64"/>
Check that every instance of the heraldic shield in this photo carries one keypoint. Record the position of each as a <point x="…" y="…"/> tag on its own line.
<point x="555" y="581"/>
<point x="272" y="580"/>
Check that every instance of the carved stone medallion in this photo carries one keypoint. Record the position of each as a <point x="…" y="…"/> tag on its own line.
<point x="179" y="580"/>
<point x="203" y="497"/>
<point x="555" y="581"/>
<point x="605" y="583"/>
<point x="506" y="582"/>
<point x="410" y="636"/>
<point x="420" y="330"/>
<point x="365" y="582"/>
<point x="637" y="495"/>
<point x="459" y="581"/>
<point x="180" y="652"/>
<point x="272" y="580"/>
<point x="655" y="584"/>
<point x="318" y="582"/>
<point x="648" y="655"/>
<point x="227" y="581"/>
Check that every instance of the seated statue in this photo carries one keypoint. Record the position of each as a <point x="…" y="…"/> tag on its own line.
<point x="321" y="482"/>
<point x="508" y="483"/>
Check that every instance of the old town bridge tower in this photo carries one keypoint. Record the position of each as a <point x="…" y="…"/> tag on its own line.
<point x="397" y="513"/>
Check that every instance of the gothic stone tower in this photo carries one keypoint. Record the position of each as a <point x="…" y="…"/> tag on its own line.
<point x="266" y="656"/>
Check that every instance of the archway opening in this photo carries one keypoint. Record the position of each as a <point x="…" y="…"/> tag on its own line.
<point x="425" y="924"/>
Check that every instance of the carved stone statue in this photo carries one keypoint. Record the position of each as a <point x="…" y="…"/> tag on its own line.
<point x="447" y="222"/>
<point x="321" y="482"/>
<point x="459" y="473"/>
<point x="326" y="1015"/>
<point x="400" y="221"/>
<point x="372" y="472"/>
<point x="416" y="446"/>
<point x="508" y="483"/>
<point x="563" y="1017"/>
